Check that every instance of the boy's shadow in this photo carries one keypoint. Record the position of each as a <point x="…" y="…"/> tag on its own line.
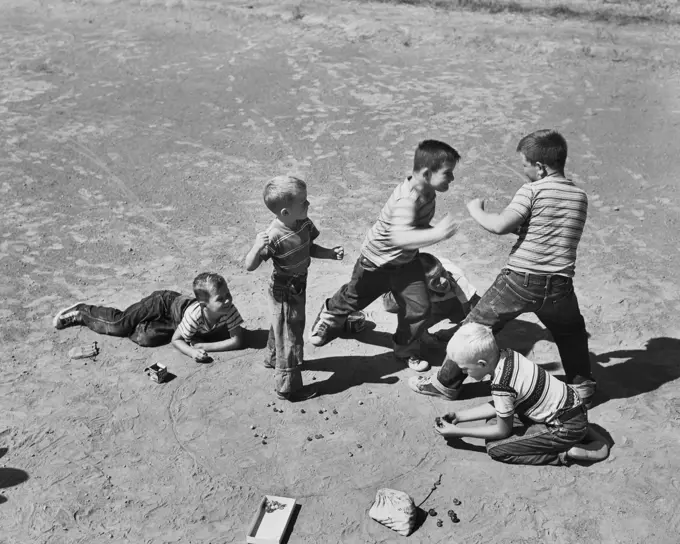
<point x="10" y="477"/>
<point x="644" y="370"/>
<point x="349" y="371"/>
<point x="255" y="339"/>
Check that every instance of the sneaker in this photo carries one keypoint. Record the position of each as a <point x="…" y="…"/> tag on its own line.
<point x="322" y="333"/>
<point x="586" y="391"/>
<point x="424" y="386"/>
<point x="68" y="317"/>
<point x="300" y="395"/>
<point x="415" y="363"/>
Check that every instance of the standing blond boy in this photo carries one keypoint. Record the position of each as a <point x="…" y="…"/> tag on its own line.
<point x="289" y="242"/>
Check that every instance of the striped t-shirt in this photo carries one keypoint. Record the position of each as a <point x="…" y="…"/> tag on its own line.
<point x="554" y="212"/>
<point x="407" y="208"/>
<point x="289" y="248"/>
<point x="518" y="385"/>
<point x="194" y="322"/>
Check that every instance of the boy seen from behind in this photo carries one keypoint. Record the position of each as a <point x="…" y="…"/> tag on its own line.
<point x="289" y="242"/>
<point x="548" y="214"/>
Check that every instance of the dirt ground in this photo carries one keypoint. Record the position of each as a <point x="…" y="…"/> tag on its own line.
<point x="136" y="139"/>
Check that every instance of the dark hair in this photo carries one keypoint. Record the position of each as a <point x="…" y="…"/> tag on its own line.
<point x="280" y="192"/>
<point x="431" y="265"/>
<point x="432" y="154"/>
<point x="546" y="146"/>
<point x="207" y="284"/>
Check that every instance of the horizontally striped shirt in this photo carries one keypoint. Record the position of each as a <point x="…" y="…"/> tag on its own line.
<point x="194" y="322"/>
<point x="289" y="248"/>
<point x="407" y="208"/>
<point x="554" y="212"/>
<point x="518" y="385"/>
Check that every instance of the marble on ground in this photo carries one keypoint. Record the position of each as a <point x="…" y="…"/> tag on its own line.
<point x="136" y="139"/>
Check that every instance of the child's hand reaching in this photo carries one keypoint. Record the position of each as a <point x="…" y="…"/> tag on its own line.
<point x="261" y="240"/>
<point x="339" y="253"/>
<point x="447" y="425"/>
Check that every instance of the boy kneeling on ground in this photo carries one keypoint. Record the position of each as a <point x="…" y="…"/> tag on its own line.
<point x="556" y="429"/>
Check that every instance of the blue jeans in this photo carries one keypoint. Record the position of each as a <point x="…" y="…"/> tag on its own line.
<point x="542" y="443"/>
<point x="285" y="345"/>
<point x="406" y="283"/>
<point x="552" y="299"/>
<point x="149" y="322"/>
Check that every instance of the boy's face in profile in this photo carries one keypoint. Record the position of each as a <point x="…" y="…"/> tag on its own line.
<point x="297" y="209"/>
<point x="219" y="301"/>
<point x="442" y="178"/>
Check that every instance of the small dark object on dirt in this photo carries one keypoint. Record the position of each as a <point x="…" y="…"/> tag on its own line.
<point x="440" y="523"/>
<point x="432" y="512"/>
<point x="318" y="436"/>
<point x="438" y="421"/>
<point x="264" y="442"/>
<point x="302" y="411"/>
<point x="455" y="519"/>
<point x="451" y="513"/>
<point x="456" y="502"/>
<point x="351" y="454"/>
<point x="276" y="409"/>
<point x="335" y="412"/>
<point x="359" y="446"/>
<point x="321" y="411"/>
<point x="309" y="438"/>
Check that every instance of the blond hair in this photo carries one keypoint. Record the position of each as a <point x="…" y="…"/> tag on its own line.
<point x="281" y="191"/>
<point x="472" y="342"/>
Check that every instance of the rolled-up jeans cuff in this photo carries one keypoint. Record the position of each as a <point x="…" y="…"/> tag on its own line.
<point x="446" y="391"/>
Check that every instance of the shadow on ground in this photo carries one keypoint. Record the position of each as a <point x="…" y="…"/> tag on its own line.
<point x="9" y="477"/>
<point x="644" y="370"/>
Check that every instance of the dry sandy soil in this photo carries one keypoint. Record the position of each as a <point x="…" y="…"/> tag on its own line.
<point x="136" y="139"/>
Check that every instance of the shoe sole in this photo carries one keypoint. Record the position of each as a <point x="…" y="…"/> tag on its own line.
<point x="55" y="319"/>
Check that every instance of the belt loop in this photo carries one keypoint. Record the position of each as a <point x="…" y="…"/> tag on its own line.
<point x="526" y="279"/>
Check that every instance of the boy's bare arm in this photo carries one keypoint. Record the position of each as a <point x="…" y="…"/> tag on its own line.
<point x="234" y="342"/>
<point x="198" y="355"/>
<point x="423" y="237"/>
<point x="449" y="427"/>
<point x="497" y="223"/>
<point x="336" y="253"/>
<point x="254" y="257"/>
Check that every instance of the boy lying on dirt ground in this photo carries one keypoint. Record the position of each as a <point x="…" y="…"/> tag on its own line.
<point x="451" y="294"/>
<point x="556" y="429"/>
<point x="196" y="326"/>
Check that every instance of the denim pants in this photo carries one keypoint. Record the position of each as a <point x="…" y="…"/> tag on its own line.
<point x="450" y="309"/>
<point x="542" y="443"/>
<point x="554" y="302"/>
<point x="406" y="282"/>
<point x="285" y="345"/>
<point x="149" y="322"/>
